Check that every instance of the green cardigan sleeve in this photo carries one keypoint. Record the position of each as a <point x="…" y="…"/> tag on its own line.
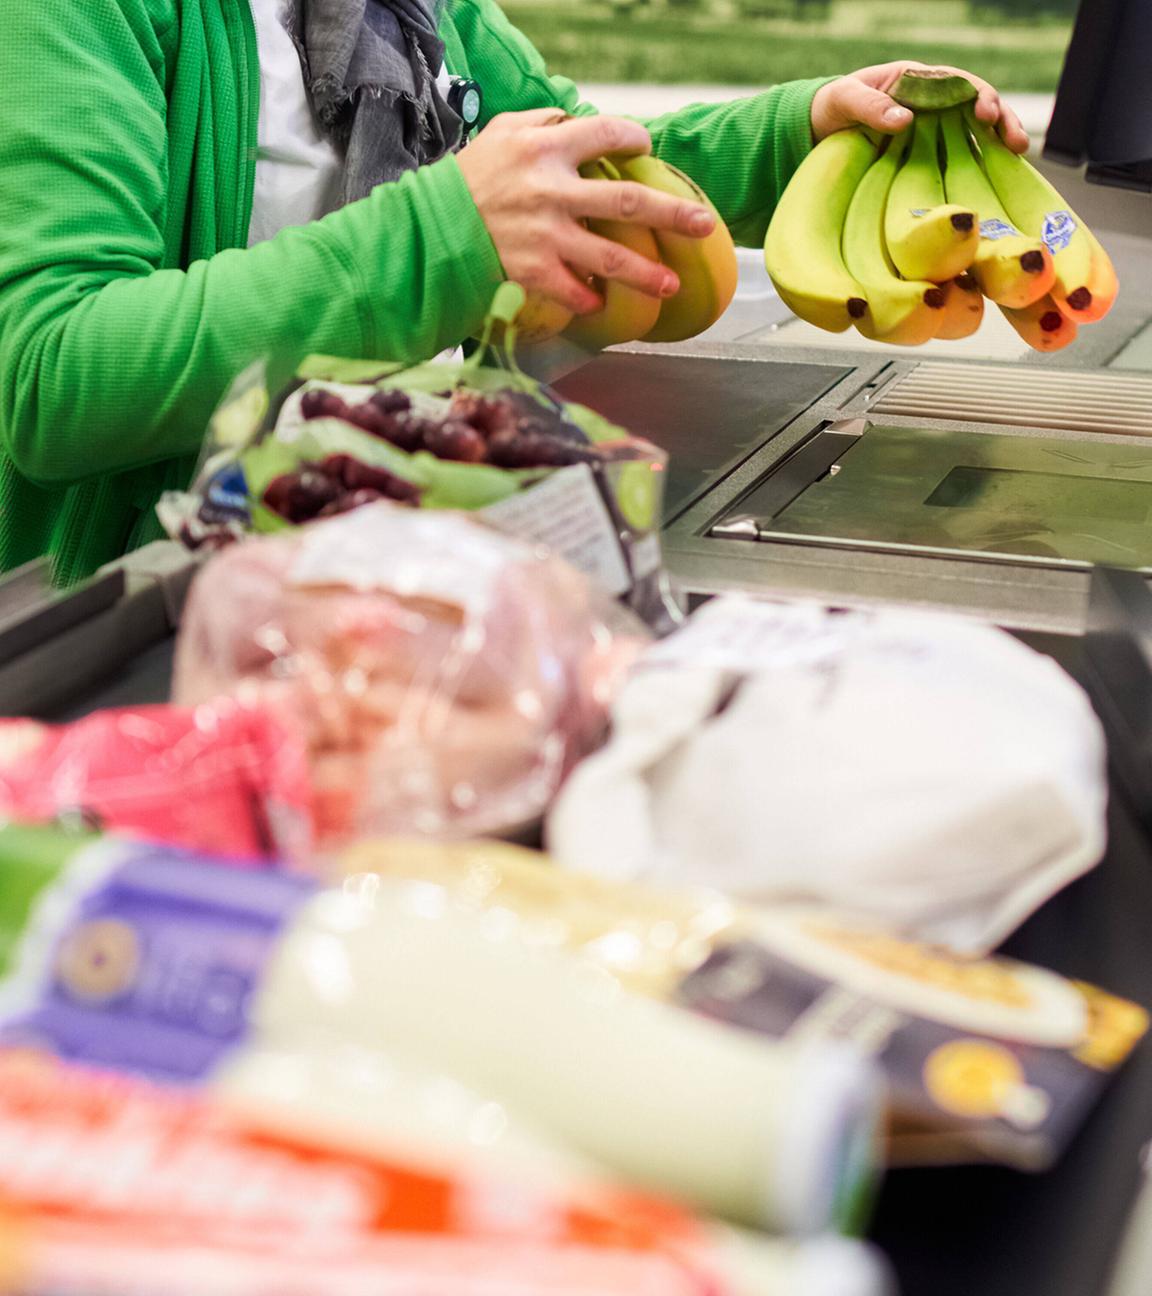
<point x="110" y="360"/>
<point x="741" y="153"/>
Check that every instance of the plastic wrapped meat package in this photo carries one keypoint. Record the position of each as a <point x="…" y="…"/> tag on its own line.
<point x="445" y="677"/>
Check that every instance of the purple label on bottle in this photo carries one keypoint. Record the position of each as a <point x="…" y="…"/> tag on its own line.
<point x="1059" y="226"/>
<point x="148" y="963"/>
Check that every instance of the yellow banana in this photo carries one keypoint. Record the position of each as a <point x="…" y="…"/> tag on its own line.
<point x="1104" y="285"/>
<point x="802" y="250"/>
<point x="1085" y="281"/>
<point x="1042" y="325"/>
<point x="901" y="311"/>
<point x="928" y="238"/>
<point x="706" y="266"/>
<point x="963" y="308"/>
<point x="627" y="313"/>
<point x="1012" y="269"/>
<point x="540" y="318"/>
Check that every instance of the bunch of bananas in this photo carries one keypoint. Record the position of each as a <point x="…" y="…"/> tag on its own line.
<point x="906" y="237"/>
<point x="706" y="268"/>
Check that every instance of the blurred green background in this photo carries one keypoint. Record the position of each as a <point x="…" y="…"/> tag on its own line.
<point x="1016" y="44"/>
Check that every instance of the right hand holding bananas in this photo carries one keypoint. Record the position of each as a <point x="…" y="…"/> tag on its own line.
<point x="881" y="234"/>
<point x="543" y="215"/>
<point x="574" y="202"/>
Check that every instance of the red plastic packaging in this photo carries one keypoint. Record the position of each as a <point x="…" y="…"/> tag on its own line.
<point x="220" y="777"/>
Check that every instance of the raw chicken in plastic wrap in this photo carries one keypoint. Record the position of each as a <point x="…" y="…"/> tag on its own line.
<point x="445" y="676"/>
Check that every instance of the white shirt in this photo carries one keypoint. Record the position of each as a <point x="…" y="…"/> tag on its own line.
<point x="298" y="172"/>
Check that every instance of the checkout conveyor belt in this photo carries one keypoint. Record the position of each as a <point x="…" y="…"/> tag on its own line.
<point x="976" y="1230"/>
<point x="973" y="1231"/>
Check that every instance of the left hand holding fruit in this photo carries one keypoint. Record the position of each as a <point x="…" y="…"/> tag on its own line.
<point x="862" y="99"/>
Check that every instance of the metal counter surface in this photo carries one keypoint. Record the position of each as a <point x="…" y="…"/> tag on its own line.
<point x="747" y="405"/>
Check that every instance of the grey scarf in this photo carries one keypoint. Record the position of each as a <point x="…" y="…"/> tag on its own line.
<point x="371" y="67"/>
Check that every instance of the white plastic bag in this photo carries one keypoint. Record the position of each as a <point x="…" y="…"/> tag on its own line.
<point x="927" y="771"/>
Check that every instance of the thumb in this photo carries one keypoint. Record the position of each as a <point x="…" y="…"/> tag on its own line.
<point x="867" y="106"/>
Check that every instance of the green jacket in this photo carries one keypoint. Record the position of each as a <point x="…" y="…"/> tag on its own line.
<point x="128" y="299"/>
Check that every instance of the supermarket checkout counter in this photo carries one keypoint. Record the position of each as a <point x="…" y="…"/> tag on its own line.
<point x="950" y="1232"/>
<point x="983" y="482"/>
<point x="751" y="437"/>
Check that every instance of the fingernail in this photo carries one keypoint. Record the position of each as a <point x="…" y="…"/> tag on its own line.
<point x="896" y="116"/>
<point x="669" y="286"/>
<point x="701" y="222"/>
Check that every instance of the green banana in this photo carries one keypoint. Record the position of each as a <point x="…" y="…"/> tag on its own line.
<point x="1085" y="284"/>
<point x="802" y="249"/>
<point x="1012" y="269"/>
<point x="928" y="238"/>
<point x="900" y="311"/>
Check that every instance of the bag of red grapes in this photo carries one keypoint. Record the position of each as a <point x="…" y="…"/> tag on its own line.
<point x="478" y="435"/>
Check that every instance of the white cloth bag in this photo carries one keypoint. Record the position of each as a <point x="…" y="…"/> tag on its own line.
<point x="925" y="770"/>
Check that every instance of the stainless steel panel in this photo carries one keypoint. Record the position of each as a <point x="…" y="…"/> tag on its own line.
<point x="709" y="414"/>
<point x="1003" y="395"/>
<point x="1011" y="498"/>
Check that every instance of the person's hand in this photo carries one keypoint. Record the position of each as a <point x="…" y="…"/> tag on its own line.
<point x="862" y="99"/>
<point x="522" y="173"/>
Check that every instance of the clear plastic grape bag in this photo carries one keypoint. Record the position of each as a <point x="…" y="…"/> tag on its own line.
<point x="444" y="675"/>
<point x="478" y="435"/>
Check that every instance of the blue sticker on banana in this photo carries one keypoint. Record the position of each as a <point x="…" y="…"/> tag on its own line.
<point x="997" y="229"/>
<point x="1059" y="227"/>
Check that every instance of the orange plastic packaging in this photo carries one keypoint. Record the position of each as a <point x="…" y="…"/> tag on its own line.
<point x="114" y="1186"/>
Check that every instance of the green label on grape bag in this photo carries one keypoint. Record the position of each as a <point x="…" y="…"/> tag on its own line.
<point x="637" y="495"/>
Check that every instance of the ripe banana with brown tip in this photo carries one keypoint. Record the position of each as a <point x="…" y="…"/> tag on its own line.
<point x="1043" y="325"/>
<point x="1012" y="269"/>
<point x="627" y="313"/>
<point x="706" y="267"/>
<point x="803" y="250"/>
<point x="1085" y="281"/>
<point x="900" y="311"/>
<point x="928" y="237"/>
<point x="963" y="308"/>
